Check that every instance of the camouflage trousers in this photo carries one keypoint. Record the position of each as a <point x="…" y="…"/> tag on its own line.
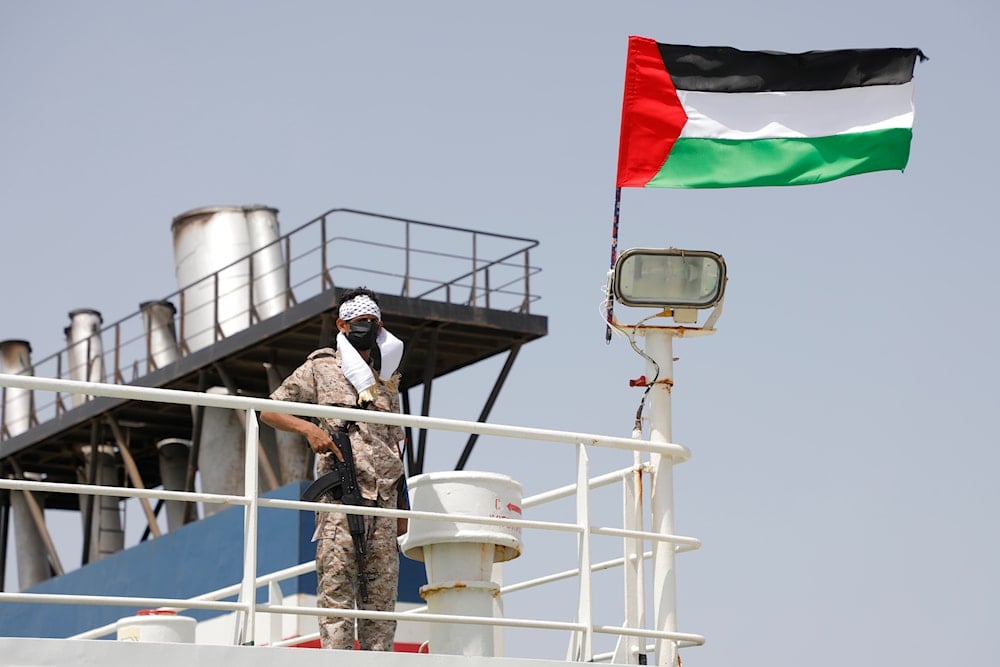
<point x="336" y="569"/>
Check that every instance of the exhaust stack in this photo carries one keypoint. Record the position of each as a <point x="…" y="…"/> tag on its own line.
<point x="86" y="353"/>
<point x="223" y="290"/>
<point x="18" y="417"/>
<point x="161" y="334"/>
<point x="18" y="404"/>
<point x="106" y="534"/>
<point x="174" y="454"/>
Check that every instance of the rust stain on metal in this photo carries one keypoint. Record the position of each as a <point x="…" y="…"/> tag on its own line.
<point x="432" y="589"/>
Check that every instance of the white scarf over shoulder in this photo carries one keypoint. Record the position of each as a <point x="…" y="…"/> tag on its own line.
<point x="357" y="370"/>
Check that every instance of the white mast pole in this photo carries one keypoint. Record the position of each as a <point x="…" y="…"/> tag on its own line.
<point x="659" y="347"/>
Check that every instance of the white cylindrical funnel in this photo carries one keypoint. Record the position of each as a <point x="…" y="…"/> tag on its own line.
<point x="174" y="454"/>
<point x="156" y="625"/>
<point x="84" y="349"/>
<point x="295" y="458"/>
<point x="459" y="556"/>
<point x="161" y="334"/>
<point x="221" y="453"/>
<point x="213" y="263"/>
<point x="18" y="404"/>
<point x="270" y="284"/>
<point x="106" y="534"/>
<point x="32" y="559"/>
<point x="208" y="241"/>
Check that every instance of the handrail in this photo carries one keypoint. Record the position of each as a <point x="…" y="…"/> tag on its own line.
<point x="582" y="627"/>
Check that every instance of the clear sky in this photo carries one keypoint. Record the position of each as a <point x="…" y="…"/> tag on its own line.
<point x="842" y="420"/>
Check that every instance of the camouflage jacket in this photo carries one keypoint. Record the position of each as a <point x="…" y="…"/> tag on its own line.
<point x="377" y="461"/>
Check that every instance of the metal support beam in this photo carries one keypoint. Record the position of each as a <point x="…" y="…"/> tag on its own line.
<point x="88" y="500"/>
<point x="425" y="407"/>
<point x="133" y="473"/>
<point x="4" y="531"/>
<point x="327" y="330"/>
<point x="191" y="510"/>
<point x="409" y="450"/>
<point x="490" y="402"/>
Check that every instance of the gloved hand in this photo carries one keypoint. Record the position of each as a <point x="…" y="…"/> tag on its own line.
<point x="366" y="396"/>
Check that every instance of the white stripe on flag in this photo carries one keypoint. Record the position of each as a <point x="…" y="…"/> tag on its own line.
<point x="807" y="113"/>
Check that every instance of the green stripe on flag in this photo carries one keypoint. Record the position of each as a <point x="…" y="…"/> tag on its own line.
<point x="724" y="163"/>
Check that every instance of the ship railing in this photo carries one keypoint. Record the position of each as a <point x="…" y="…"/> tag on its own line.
<point x="582" y="629"/>
<point x="389" y="254"/>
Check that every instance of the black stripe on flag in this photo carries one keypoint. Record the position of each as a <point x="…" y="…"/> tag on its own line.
<point x="723" y="69"/>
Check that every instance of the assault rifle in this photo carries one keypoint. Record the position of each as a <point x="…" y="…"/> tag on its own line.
<point x="343" y="482"/>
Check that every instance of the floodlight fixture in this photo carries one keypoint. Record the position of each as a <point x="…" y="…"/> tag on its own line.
<point x="669" y="278"/>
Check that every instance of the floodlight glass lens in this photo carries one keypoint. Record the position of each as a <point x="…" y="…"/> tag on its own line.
<point x="668" y="280"/>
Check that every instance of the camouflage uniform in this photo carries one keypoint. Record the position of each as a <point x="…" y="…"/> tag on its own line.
<point x="378" y="468"/>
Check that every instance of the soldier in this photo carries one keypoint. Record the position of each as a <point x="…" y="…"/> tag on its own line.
<point x="361" y="372"/>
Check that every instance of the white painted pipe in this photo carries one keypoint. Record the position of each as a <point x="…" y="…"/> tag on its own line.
<point x="106" y="534"/>
<point x="84" y="349"/>
<point x="220" y="453"/>
<point x="268" y="264"/>
<point x="212" y="240"/>
<point x="32" y="562"/>
<point x="18" y="404"/>
<point x="161" y="334"/>
<point x="174" y="454"/>
<point x="295" y="459"/>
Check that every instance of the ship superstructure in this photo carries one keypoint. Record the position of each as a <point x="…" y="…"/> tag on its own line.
<point x="160" y="408"/>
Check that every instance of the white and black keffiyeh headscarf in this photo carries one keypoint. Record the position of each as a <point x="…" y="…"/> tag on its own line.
<point x="358" y="306"/>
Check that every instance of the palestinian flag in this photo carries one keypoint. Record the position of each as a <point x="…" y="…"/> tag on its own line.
<point x="718" y="117"/>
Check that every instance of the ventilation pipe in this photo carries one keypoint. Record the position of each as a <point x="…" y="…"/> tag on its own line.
<point x="32" y="561"/>
<point x="295" y="457"/>
<point x="215" y="285"/>
<point x="18" y="404"/>
<point x="106" y="534"/>
<point x="18" y="417"/>
<point x="221" y="453"/>
<point x="84" y="348"/>
<point x="161" y="335"/>
<point x="270" y="283"/>
<point x="174" y="453"/>
<point x="459" y="557"/>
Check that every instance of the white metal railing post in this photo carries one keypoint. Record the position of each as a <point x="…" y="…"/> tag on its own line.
<point x="628" y="648"/>
<point x="275" y="597"/>
<point x="246" y="627"/>
<point x="659" y="347"/>
<point x="582" y="648"/>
